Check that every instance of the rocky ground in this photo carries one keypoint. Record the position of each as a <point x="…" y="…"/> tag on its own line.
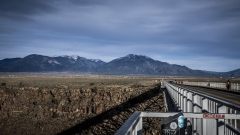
<point x="75" y="104"/>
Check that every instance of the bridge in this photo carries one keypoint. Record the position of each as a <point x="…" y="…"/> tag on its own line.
<point x="208" y="109"/>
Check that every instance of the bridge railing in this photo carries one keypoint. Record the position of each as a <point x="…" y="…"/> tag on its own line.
<point x="133" y="126"/>
<point x="205" y="115"/>
<point x="234" y="86"/>
<point x="186" y="100"/>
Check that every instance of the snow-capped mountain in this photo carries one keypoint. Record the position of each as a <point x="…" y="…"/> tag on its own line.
<point x="130" y="64"/>
<point x="140" y="64"/>
<point x="95" y="60"/>
<point x="38" y="63"/>
<point x="74" y="57"/>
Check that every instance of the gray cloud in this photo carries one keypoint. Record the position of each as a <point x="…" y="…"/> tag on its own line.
<point x="167" y="30"/>
<point x="89" y="2"/>
<point x="21" y="10"/>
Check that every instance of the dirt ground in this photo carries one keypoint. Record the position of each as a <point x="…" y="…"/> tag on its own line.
<point x="50" y="103"/>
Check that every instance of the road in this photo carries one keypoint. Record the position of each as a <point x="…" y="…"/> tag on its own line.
<point x="229" y="96"/>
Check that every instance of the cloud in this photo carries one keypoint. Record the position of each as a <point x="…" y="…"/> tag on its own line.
<point x="15" y="8"/>
<point x="26" y="7"/>
<point x="218" y="64"/>
<point x="109" y="29"/>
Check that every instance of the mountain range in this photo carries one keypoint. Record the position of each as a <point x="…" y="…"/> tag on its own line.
<point x="130" y="64"/>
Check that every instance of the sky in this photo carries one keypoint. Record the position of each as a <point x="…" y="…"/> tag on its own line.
<point x="199" y="34"/>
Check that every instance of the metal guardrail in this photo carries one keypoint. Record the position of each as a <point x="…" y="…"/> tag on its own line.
<point x="205" y="114"/>
<point x="133" y="126"/>
<point x="187" y="100"/>
<point x="234" y="86"/>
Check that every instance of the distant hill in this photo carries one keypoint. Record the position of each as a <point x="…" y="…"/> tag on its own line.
<point x="40" y="63"/>
<point x="130" y="64"/>
<point x="234" y="73"/>
<point x="139" y="64"/>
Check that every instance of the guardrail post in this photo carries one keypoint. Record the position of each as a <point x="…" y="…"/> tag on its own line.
<point x="165" y="101"/>
<point x="189" y="106"/>
<point x="197" y="123"/>
<point x="177" y="98"/>
<point x="193" y="110"/>
<point x="205" y="107"/>
<point x="235" y="120"/>
<point x="189" y="102"/>
<point x="184" y="101"/>
<point x="209" y="125"/>
<point x="139" y="126"/>
<point x="181" y="100"/>
<point x="221" y="122"/>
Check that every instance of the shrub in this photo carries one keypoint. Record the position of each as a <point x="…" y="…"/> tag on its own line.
<point x="20" y="84"/>
<point x="94" y="89"/>
<point x="55" y="115"/>
<point x="55" y="101"/>
<point x="91" y="84"/>
<point x="4" y="84"/>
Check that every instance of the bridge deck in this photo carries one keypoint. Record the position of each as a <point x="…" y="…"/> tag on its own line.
<point x="229" y="96"/>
